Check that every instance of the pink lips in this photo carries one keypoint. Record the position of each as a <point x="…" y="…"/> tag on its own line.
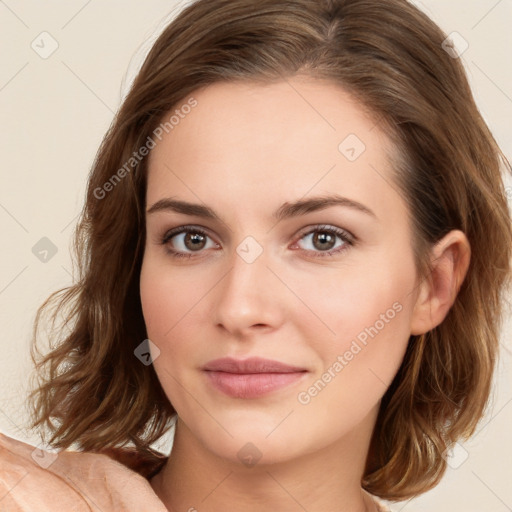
<point x="250" y="378"/>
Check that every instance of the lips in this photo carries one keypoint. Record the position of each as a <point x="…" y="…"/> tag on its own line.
<point x="251" y="378"/>
<point x="252" y="365"/>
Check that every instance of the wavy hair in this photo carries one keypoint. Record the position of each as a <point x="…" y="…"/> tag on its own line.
<point x="94" y="393"/>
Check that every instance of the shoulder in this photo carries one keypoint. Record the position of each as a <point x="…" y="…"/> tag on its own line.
<point x="33" y="479"/>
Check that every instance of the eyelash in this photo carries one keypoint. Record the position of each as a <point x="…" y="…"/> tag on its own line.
<point x="347" y="238"/>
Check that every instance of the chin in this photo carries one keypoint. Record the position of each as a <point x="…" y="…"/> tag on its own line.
<point x="257" y="443"/>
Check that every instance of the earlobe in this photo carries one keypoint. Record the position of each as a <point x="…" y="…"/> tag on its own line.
<point x="449" y="260"/>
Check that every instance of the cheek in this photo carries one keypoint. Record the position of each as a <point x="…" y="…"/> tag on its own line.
<point x="352" y="303"/>
<point x="362" y="338"/>
<point x="165" y="300"/>
<point x="356" y="366"/>
<point x="166" y="297"/>
<point x="172" y="306"/>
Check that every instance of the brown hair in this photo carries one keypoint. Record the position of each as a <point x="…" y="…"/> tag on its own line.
<point x="94" y="392"/>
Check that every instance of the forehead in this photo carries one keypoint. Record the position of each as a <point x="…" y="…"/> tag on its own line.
<point x="246" y="144"/>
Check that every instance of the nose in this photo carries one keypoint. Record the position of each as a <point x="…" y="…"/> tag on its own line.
<point x="249" y="299"/>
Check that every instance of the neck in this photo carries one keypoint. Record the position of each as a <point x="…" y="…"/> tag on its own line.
<point x="195" y="479"/>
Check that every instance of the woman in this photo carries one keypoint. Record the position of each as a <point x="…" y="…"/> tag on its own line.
<point x="294" y="245"/>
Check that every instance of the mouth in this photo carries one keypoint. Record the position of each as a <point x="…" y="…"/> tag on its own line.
<point x="251" y="378"/>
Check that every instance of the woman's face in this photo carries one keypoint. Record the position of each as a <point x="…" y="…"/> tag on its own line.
<point x="273" y="268"/>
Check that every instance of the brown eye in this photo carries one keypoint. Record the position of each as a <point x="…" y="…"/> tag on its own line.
<point x="194" y="241"/>
<point x="186" y="240"/>
<point x="326" y="241"/>
<point x="323" y="240"/>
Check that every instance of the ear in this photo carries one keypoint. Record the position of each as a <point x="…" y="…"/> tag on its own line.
<point x="437" y="292"/>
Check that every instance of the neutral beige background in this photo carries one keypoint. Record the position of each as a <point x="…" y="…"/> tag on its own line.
<point x="54" y="112"/>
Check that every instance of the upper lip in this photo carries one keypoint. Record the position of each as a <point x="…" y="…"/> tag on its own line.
<point x="251" y="365"/>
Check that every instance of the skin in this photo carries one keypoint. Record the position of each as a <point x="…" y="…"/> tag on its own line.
<point x="244" y="150"/>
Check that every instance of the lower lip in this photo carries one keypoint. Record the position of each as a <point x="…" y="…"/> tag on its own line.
<point x="251" y="385"/>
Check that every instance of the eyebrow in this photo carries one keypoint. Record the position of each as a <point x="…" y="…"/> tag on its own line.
<point x="285" y="211"/>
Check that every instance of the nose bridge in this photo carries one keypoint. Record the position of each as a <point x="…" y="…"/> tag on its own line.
<point x="247" y="295"/>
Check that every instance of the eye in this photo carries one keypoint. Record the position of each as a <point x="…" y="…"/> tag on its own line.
<point x="322" y="240"/>
<point x="186" y="240"/>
